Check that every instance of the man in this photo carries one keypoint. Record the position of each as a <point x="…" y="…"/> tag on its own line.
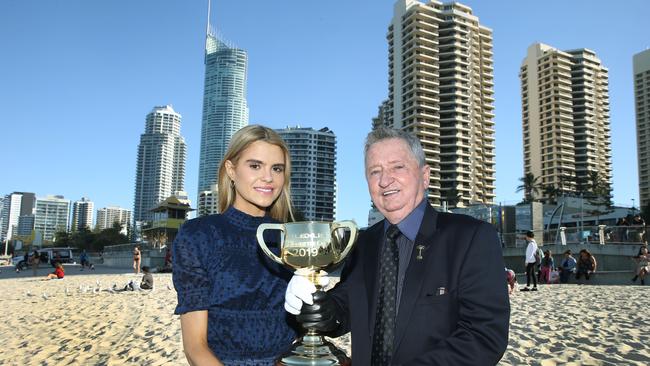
<point x="567" y="267"/>
<point x="531" y="261"/>
<point x="449" y="306"/>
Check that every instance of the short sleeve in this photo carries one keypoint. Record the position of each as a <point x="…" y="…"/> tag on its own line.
<point x="190" y="277"/>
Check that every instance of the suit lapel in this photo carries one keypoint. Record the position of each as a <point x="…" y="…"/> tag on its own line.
<point x="416" y="271"/>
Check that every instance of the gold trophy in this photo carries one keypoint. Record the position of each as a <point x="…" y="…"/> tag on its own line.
<point x="309" y="247"/>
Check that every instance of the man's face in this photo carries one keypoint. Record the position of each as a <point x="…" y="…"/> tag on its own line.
<point x="395" y="181"/>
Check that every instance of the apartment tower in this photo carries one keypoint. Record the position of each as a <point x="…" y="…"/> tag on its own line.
<point x="441" y="90"/>
<point x="641" y="63"/>
<point x="209" y="201"/>
<point x="82" y="214"/>
<point x="52" y="215"/>
<point x="14" y="205"/>
<point x="313" y="171"/>
<point x="160" y="170"/>
<point x="108" y="216"/>
<point x="565" y="115"/>
<point x="225" y="109"/>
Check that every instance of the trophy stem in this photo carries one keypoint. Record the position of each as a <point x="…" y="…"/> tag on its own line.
<point x="313" y="350"/>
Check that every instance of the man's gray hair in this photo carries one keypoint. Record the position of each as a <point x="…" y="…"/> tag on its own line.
<point x="384" y="133"/>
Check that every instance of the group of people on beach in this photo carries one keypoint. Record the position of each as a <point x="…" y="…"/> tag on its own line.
<point x="238" y="307"/>
<point x="540" y="265"/>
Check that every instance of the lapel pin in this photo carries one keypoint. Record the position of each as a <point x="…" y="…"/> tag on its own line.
<point x="419" y="249"/>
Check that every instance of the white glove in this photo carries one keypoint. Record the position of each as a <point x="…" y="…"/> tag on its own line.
<point x="299" y="290"/>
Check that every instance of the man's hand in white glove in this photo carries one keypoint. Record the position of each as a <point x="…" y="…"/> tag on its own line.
<point x="299" y="290"/>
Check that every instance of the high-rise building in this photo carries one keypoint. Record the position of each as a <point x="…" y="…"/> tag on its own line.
<point x="565" y="115"/>
<point x="209" y="201"/>
<point x="52" y="215"/>
<point x="224" y="104"/>
<point x="441" y="90"/>
<point x="108" y="216"/>
<point x="82" y="214"/>
<point x="14" y="205"/>
<point x="642" y="103"/>
<point x="161" y="161"/>
<point x="25" y="225"/>
<point x="313" y="171"/>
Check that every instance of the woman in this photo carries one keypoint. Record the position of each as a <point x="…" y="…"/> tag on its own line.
<point x="643" y="265"/>
<point x="58" y="272"/>
<point x="547" y="266"/>
<point x="136" y="260"/>
<point x="586" y="264"/>
<point x="230" y="297"/>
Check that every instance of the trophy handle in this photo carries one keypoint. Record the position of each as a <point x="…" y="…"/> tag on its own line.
<point x="354" y="229"/>
<point x="262" y="243"/>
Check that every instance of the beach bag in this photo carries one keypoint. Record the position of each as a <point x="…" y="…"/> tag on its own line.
<point x="554" y="277"/>
<point x="538" y="256"/>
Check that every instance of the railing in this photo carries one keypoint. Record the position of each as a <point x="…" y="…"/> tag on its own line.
<point x="601" y="234"/>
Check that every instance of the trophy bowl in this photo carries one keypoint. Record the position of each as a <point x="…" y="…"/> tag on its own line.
<point x="309" y="247"/>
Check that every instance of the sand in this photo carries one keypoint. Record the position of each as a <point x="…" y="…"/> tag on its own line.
<point x="77" y="321"/>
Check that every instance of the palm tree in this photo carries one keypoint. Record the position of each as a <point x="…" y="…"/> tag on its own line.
<point x="530" y="186"/>
<point x="551" y="193"/>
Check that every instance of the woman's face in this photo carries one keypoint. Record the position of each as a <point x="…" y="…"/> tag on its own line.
<point x="258" y="177"/>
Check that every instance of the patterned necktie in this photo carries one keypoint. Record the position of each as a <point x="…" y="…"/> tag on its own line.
<point x="382" y="341"/>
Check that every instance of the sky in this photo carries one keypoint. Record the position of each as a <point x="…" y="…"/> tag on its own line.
<point x="78" y="77"/>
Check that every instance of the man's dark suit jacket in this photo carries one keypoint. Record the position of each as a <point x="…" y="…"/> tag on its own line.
<point x="454" y="308"/>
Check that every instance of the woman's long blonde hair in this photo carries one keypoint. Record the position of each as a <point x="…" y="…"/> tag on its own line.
<point x="241" y="140"/>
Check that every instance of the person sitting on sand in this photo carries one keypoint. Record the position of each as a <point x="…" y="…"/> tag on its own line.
<point x="58" y="273"/>
<point x="643" y="265"/>
<point x="586" y="264"/>
<point x="511" y="281"/>
<point x="146" y="284"/>
<point x="567" y="267"/>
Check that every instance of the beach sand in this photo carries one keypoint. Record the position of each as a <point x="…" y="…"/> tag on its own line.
<point x="76" y="321"/>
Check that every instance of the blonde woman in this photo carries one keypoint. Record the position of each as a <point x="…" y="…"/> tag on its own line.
<point x="230" y="297"/>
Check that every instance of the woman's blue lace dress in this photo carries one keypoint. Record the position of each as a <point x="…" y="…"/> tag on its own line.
<point x="219" y="267"/>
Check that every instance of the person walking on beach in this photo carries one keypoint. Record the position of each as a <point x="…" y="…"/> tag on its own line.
<point x="567" y="267"/>
<point x="643" y="265"/>
<point x="34" y="261"/>
<point x="532" y="258"/>
<point x="422" y="287"/>
<point x="230" y="295"/>
<point x="137" y="257"/>
<point x="83" y="258"/>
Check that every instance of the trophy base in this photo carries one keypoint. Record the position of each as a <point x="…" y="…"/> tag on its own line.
<point x="313" y="350"/>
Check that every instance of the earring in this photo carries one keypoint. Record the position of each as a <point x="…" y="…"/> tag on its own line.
<point x="232" y="184"/>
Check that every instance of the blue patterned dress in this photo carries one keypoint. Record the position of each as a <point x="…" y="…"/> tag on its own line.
<point x="219" y="267"/>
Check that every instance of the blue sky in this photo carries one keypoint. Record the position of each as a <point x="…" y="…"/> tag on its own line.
<point x="78" y="77"/>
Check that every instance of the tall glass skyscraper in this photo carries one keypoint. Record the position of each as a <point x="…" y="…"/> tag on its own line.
<point x="161" y="161"/>
<point x="224" y="104"/>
